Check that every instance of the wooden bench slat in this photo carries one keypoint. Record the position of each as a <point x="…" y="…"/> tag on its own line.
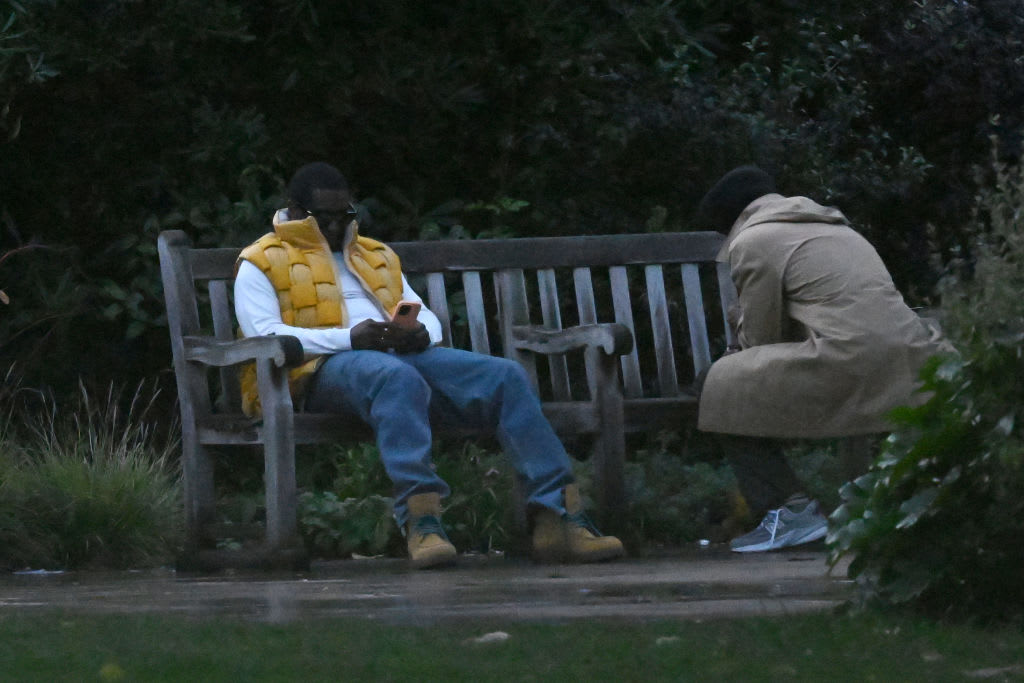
<point x="551" y="317"/>
<point x="511" y="286"/>
<point x="223" y="329"/>
<point x="668" y="383"/>
<point x="585" y="304"/>
<point x="586" y="308"/>
<point x="623" y="307"/>
<point x="476" y="315"/>
<point x="695" y="317"/>
<point x="235" y="429"/>
<point x="651" y="414"/>
<point x="531" y="253"/>
<point x="437" y="302"/>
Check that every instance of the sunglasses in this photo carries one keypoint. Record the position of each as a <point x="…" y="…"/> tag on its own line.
<point x="327" y="217"/>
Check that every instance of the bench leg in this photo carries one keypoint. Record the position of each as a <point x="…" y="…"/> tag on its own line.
<point x="197" y="482"/>
<point x="279" y="458"/>
<point x="281" y="494"/>
<point x="610" y="446"/>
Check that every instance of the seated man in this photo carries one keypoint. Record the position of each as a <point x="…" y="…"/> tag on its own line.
<point x="827" y="346"/>
<point x="316" y="278"/>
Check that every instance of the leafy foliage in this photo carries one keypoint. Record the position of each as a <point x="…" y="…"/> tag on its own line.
<point x="343" y="510"/>
<point x="937" y="521"/>
<point x="677" y="495"/>
<point x="332" y="527"/>
<point x="118" y="120"/>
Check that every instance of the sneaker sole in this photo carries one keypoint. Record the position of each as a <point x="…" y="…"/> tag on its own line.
<point x="784" y="542"/>
<point x="814" y="535"/>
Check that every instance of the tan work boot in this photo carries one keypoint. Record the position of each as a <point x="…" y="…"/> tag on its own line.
<point x="572" y="537"/>
<point x="428" y="545"/>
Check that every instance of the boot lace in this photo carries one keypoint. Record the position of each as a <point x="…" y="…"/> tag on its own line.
<point x="771" y="523"/>
<point x="580" y="519"/>
<point x="429" y="524"/>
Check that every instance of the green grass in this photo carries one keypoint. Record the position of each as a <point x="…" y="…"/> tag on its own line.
<point x="61" y="646"/>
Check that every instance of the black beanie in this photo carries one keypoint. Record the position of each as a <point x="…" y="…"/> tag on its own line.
<point x="724" y="202"/>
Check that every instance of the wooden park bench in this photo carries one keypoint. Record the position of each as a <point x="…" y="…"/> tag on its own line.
<point x="567" y="308"/>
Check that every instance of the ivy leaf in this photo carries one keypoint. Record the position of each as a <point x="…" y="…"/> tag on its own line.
<point x="1005" y="425"/>
<point x="135" y="328"/>
<point x="114" y="290"/>
<point x="915" y="507"/>
<point x="949" y="369"/>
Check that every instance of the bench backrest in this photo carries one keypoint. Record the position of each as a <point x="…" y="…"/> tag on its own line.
<point x="665" y="287"/>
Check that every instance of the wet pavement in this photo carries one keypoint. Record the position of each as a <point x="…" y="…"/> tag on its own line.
<point x="710" y="582"/>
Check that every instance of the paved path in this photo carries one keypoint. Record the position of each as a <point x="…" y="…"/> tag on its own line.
<point x="707" y="583"/>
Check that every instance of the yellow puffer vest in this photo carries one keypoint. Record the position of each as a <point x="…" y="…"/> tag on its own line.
<point x="298" y="262"/>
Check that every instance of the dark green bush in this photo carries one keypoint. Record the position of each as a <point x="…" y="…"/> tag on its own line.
<point x="938" y="521"/>
<point x="119" y="119"/>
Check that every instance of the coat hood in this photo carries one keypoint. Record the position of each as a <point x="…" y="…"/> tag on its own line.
<point x="775" y="208"/>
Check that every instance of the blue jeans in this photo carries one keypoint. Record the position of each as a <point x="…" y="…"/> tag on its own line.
<point x="397" y="395"/>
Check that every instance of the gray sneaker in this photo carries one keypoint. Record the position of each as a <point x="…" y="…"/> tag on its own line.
<point x="782" y="528"/>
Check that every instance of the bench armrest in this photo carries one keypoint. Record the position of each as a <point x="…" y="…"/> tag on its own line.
<point x="282" y="350"/>
<point x="614" y="339"/>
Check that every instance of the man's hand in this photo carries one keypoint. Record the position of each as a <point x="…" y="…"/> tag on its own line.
<point x="371" y="335"/>
<point x="411" y="339"/>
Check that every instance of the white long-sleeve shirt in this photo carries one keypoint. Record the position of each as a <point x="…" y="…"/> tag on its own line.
<point x="258" y="311"/>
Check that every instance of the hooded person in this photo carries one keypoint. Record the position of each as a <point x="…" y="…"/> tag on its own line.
<point x="827" y="345"/>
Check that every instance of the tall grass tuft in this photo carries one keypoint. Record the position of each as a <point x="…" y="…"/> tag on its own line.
<point x="92" y="487"/>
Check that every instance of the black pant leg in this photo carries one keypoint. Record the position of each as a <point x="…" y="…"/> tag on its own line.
<point x="765" y="478"/>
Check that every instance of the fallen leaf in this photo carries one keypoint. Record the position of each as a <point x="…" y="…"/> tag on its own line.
<point x="494" y="637"/>
<point x="996" y="671"/>
<point x="112" y="671"/>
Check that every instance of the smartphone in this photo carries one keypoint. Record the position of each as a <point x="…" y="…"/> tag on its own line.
<point x="405" y="313"/>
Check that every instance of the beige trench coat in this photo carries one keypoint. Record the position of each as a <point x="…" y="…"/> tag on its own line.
<point x="829" y="346"/>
